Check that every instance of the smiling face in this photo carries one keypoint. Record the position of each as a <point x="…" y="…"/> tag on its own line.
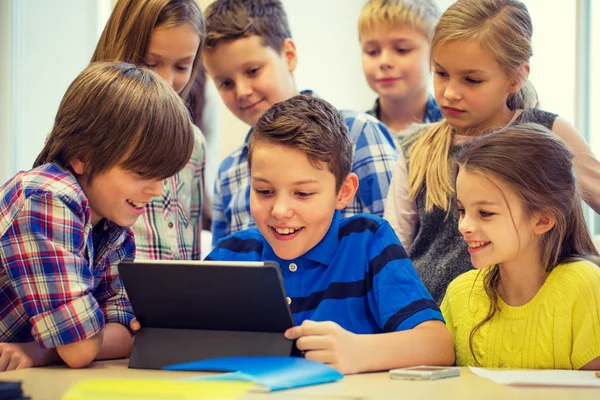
<point x="291" y="201"/>
<point x="492" y="221"/>
<point x="116" y="194"/>
<point x="395" y="61"/>
<point x="250" y="76"/>
<point x="470" y="87"/>
<point x="171" y="52"/>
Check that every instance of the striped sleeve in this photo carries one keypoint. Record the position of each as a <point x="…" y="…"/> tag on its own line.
<point x="398" y="298"/>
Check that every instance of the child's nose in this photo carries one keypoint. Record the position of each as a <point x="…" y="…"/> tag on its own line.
<point x="385" y="59"/>
<point x="243" y="89"/>
<point x="451" y="92"/>
<point x="167" y="75"/>
<point x="154" y="187"/>
<point x="465" y="225"/>
<point x="281" y="208"/>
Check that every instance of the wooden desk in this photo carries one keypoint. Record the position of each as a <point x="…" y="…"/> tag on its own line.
<point x="52" y="382"/>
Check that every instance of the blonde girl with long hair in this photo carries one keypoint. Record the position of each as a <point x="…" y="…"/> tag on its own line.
<point x="164" y="35"/>
<point x="534" y="299"/>
<point x="480" y="55"/>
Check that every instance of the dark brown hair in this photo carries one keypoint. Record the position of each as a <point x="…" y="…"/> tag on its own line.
<point x="538" y="166"/>
<point x="119" y="114"/>
<point x="310" y="125"/>
<point x="228" y="20"/>
<point x="128" y="30"/>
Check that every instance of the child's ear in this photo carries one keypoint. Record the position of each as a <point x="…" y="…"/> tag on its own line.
<point x="347" y="191"/>
<point x="520" y="78"/>
<point x="78" y="166"/>
<point x="289" y="54"/>
<point x="543" y="222"/>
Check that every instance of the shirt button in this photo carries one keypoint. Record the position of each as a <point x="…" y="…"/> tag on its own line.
<point x="170" y="225"/>
<point x="289" y="300"/>
<point x="293" y="267"/>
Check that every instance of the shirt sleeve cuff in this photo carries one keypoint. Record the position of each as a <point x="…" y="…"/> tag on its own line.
<point x="72" y="322"/>
<point x="118" y="311"/>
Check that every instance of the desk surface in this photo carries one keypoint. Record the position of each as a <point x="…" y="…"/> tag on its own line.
<point x="52" y="382"/>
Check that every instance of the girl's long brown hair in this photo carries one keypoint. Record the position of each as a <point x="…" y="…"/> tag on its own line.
<point x="538" y="167"/>
<point x="127" y="32"/>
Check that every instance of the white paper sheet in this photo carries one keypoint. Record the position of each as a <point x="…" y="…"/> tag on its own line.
<point x="550" y="377"/>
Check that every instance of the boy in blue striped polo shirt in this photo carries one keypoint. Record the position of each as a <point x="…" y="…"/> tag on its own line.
<point x="346" y="279"/>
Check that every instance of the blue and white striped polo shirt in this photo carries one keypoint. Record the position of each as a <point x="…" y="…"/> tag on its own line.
<point x="358" y="276"/>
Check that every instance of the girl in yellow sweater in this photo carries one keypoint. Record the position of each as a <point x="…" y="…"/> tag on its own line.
<point x="534" y="299"/>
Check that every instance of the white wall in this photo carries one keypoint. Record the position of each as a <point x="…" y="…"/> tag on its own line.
<point x="5" y="93"/>
<point x="50" y="42"/>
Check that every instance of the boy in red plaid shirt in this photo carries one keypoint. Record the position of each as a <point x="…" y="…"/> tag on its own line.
<point x="64" y="225"/>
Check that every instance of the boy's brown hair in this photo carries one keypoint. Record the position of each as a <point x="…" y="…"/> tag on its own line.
<point x="229" y="20"/>
<point x="119" y="114"/>
<point x="310" y="125"/>
<point x="127" y="33"/>
<point x="420" y="15"/>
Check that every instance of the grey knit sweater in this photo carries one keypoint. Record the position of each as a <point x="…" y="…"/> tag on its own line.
<point x="438" y="251"/>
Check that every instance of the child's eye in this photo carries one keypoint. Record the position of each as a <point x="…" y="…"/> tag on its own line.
<point x="182" y="68"/>
<point x="473" y="81"/>
<point x="403" y="50"/>
<point x="304" y="194"/>
<point x="441" y="74"/>
<point x="460" y="211"/>
<point x="226" y="85"/>
<point x="263" y="192"/>
<point x="370" y="52"/>
<point x="253" y="71"/>
<point x="485" y="214"/>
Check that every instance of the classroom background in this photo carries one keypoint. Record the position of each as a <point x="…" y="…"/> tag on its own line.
<point x="44" y="44"/>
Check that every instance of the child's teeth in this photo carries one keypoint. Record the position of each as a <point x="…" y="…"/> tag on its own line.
<point x="285" y="231"/>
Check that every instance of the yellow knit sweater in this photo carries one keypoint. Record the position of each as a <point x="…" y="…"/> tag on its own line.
<point x="558" y="329"/>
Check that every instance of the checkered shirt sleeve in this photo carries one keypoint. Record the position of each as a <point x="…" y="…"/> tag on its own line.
<point x="50" y="292"/>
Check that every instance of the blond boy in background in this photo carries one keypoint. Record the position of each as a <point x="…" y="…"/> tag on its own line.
<point x="395" y="37"/>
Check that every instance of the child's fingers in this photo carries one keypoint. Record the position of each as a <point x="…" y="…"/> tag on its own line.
<point x="25" y="363"/>
<point x="301" y="330"/>
<point x="14" y="363"/>
<point x="135" y="325"/>
<point x="4" y="360"/>
<point x="314" y="342"/>
<point x="324" y="356"/>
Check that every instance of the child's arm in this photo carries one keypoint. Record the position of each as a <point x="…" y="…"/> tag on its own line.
<point x="373" y="161"/>
<point x="43" y="253"/>
<point x="585" y="164"/>
<point x="112" y="300"/>
<point x="117" y="342"/>
<point x="400" y="212"/>
<point x="429" y="343"/>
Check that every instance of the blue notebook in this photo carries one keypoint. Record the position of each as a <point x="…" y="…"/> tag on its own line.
<point x="273" y="373"/>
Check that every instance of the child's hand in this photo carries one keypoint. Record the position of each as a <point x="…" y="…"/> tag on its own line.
<point x="134" y="325"/>
<point x="328" y="343"/>
<point x="17" y="355"/>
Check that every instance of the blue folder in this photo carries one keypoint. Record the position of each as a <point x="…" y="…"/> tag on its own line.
<point x="274" y="373"/>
